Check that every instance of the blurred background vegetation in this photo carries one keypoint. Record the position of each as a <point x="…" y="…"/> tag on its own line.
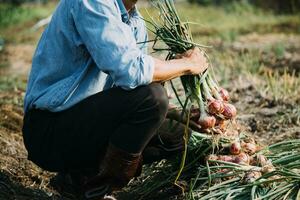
<point x="289" y="6"/>
<point x="255" y="54"/>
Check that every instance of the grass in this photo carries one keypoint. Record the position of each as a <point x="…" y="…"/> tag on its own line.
<point x="19" y="19"/>
<point x="229" y="22"/>
<point x="225" y="23"/>
<point x="11" y="15"/>
<point x="9" y="83"/>
<point x="12" y="90"/>
<point x="284" y="87"/>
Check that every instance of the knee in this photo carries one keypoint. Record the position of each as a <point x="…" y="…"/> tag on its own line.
<point x="158" y="98"/>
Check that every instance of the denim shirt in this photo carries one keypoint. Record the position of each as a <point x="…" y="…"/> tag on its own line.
<point x="89" y="46"/>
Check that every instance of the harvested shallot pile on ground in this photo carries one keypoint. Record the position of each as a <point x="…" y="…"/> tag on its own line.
<point x="220" y="161"/>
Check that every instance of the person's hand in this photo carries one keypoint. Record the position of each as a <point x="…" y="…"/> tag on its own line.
<point x="174" y="113"/>
<point x="195" y="59"/>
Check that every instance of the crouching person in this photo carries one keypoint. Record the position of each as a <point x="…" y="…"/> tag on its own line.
<point x="95" y="110"/>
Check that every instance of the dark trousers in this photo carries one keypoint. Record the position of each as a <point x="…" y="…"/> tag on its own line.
<point x="77" y="137"/>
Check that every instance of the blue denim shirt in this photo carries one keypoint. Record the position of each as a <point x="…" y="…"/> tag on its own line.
<point x="89" y="46"/>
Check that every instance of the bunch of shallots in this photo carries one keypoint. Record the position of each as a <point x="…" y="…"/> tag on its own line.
<point x="212" y="103"/>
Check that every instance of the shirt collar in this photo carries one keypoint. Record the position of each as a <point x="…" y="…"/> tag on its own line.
<point x="124" y="13"/>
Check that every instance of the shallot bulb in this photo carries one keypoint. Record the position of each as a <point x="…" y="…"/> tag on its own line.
<point x="253" y="161"/>
<point x="226" y="158"/>
<point x="207" y="121"/>
<point x="223" y="171"/>
<point x="268" y="168"/>
<point x="215" y="106"/>
<point x="224" y="94"/>
<point x="229" y="111"/>
<point x="235" y="148"/>
<point x="262" y="160"/>
<point x="242" y="158"/>
<point x="251" y="176"/>
<point x="249" y="148"/>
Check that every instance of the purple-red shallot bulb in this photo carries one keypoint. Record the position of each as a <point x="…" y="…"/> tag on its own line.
<point x="235" y="148"/>
<point x="215" y="106"/>
<point x="242" y="158"/>
<point x="224" y="94"/>
<point x="226" y="158"/>
<point x="229" y="111"/>
<point x="206" y="121"/>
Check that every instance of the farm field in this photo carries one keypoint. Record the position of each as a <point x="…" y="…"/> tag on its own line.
<point x="255" y="54"/>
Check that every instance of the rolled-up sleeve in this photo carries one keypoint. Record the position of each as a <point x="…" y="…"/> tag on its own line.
<point x="141" y="34"/>
<point x="112" y="44"/>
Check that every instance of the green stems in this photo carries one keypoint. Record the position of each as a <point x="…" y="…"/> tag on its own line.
<point x="214" y="88"/>
<point x="206" y="90"/>
<point x="200" y="102"/>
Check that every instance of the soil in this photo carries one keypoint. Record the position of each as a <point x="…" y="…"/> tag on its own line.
<point x="267" y="120"/>
<point x="17" y="59"/>
<point x="278" y="51"/>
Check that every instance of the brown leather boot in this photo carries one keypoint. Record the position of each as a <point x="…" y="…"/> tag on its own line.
<point x="117" y="168"/>
<point x="69" y="184"/>
<point x="169" y="141"/>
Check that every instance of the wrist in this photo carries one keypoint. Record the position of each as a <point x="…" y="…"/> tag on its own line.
<point x="186" y="66"/>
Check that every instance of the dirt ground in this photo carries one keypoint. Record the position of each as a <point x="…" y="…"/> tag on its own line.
<point x="266" y="119"/>
<point x="268" y="116"/>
